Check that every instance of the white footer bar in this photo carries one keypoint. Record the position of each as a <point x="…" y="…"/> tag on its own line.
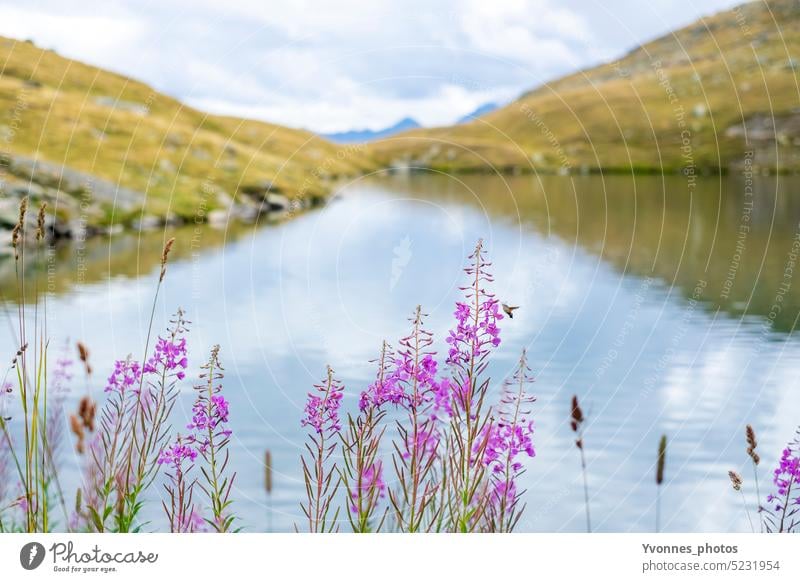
<point x="389" y="557"/>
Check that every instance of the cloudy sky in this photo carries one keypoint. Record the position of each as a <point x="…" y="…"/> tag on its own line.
<point x="335" y="65"/>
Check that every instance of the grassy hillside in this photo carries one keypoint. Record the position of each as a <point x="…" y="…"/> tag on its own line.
<point x="701" y="97"/>
<point x="124" y="133"/>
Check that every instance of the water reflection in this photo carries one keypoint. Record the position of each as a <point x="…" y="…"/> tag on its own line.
<point x="620" y="284"/>
<point x="731" y="233"/>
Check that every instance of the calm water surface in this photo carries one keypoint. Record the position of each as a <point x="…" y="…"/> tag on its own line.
<point x="651" y="300"/>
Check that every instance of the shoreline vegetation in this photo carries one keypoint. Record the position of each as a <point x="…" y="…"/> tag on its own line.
<point x="108" y="153"/>
<point x="449" y="461"/>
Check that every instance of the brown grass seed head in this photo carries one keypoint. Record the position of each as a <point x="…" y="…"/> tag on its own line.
<point x="164" y="257"/>
<point x="40" y="222"/>
<point x="662" y="459"/>
<point x="736" y="480"/>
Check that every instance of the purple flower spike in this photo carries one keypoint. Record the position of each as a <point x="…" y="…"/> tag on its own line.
<point x="501" y="445"/>
<point x="787" y="481"/>
<point x="322" y="411"/>
<point x="372" y="486"/>
<point x="169" y="356"/>
<point x="127" y="375"/>
<point x="476" y="332"/>
<point x="175" y="455"/>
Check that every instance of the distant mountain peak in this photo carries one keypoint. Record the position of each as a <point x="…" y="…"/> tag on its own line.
<point x="481" y="110"/>
<point x="364" y="135"/>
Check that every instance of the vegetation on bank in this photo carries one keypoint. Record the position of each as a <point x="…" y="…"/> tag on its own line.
<point x="695" y="100"/>
<point x="108" y="149"/>
<point x="127" y="443"/>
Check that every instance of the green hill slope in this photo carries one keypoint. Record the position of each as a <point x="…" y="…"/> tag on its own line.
<point x="703" y="96"/>
<point x="97" y="137"/>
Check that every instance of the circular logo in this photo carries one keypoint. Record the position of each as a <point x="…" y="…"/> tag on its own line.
<point x="31" y="555"/>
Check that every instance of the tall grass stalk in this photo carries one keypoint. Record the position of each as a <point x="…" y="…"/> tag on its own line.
<point x="577" y="421"/>
<point x="660" y="466"/>
<point x="32" y="384"/>
<point x="755" y="459"/>
<point x="146" y="433"/>
<point x="736" y="482"/>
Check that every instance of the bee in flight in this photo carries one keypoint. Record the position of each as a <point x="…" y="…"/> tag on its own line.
<point x="509" y="309"/>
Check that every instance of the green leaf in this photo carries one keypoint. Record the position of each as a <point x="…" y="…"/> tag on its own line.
<point x="98" y="523"/>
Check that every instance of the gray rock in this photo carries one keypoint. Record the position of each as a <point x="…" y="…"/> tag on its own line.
<point x="217" y="218"/>
<point x="173" y="219"/>
<point x="244" y="212"/>
<point x="85" y="186"/>
<point x="260" y="190"/>
<point x="148" y="222"/>
<point x="224" y="199"/>
<point x="277" y="202"/>
<point x="20" y="189"/>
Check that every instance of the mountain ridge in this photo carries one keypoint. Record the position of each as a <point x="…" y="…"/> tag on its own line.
<point x="365" y="135"/>
<point x="722" y="79"/>
<point x="82" y="122"/>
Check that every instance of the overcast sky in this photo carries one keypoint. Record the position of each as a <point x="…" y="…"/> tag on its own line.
<point x="334" y="65"/>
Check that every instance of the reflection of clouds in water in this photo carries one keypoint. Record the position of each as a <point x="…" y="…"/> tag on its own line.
<point x="704" y="383"/>
<point x="343" y="282"/>
<point x="289" y="299"/>
<point x="784" y="416"/>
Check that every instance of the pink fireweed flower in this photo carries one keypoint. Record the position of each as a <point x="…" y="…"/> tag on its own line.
<point x="418" y="437"/>
<point x="322" y="411"/>
<point x="179" y="458"/>
<point x="371" y="487"/>
<point x="476" y="332"/>
<point x="209" y="415"/>
<point x="203" y="420"/>
<point x="194" y="522"/>
<point x="427" y="441"/>
<point x="175" y="454"/>
<point x="787" y="481"/>
<point x="127" y="375"/>
<point x="423" y="374"/>
<point x="426" y="397"/>
<point x="385" y="390"/>
<point x="61" y="374"/>
<point x="169" y="356"/>
<point x="442" y="398"/>
<point x="501" y="446"/>
<point x="210" y="438"/>
<point x="504" y="443"/>
<point x="386" y="387"/>
<point x="320" y="473"/>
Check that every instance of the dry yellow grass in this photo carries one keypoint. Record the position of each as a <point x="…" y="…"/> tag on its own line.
<point x="123" y="131"/>
<point x="703" y="86"/>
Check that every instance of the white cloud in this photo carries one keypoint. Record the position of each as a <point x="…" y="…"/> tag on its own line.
<point x="331" y="66"/>
<point x="105" y="40"/>
<point x="354" y="108"/>
<point x="529" y="31"/>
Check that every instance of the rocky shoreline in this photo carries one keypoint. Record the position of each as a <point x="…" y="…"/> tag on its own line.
<point x="81" y="205"/>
